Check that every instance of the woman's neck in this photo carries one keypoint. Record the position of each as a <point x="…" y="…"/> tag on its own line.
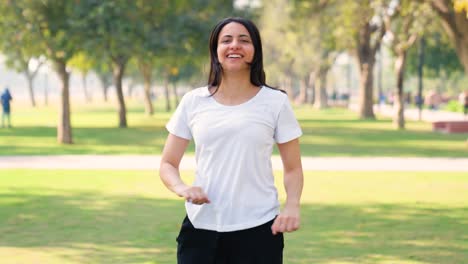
<point x="235" y="90"/>
<point x="235" y="84"/>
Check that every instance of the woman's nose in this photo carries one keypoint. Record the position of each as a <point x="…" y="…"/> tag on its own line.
<point x="235" y="44"/>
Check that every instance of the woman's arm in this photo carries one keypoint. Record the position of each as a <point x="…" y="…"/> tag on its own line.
<point x="169" y="171"/>
<point x="289" y="218"/>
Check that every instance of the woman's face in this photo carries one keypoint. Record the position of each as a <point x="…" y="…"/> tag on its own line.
<point x="235" y="48"/>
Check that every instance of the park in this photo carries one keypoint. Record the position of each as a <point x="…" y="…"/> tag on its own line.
<point x="79" y="165"/>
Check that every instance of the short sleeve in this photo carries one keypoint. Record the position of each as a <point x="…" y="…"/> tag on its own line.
<point x="178" y="125"/>
<point x="287" y="126"/>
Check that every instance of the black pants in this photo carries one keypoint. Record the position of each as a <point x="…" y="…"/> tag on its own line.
<point x="250" y="246"/>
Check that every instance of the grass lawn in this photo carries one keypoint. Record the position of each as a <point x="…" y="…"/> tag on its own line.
<point x="332" y="132"/>
<point x="104" y="216"/>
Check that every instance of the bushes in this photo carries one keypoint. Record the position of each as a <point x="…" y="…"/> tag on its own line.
<point x="453" y="106"/>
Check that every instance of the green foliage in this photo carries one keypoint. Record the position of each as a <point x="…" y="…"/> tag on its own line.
<point x="35" y="28"/>
<point x="183" y="35"/>
<point x="408" y="24"/>
<point x="439" y="55"/>
<point x="112" y="28"/>
<point x="49" y="24"/>
<point x="81" y="62"/>
<point x="301" y="41"/>
<point x="454" y="106"/>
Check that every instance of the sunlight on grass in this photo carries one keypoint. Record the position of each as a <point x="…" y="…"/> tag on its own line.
<point x="105" y="216"/>
<point x="330" y="132"/>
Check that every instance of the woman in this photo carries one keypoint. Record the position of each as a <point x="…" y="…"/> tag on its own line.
<point x="232" y="207"/>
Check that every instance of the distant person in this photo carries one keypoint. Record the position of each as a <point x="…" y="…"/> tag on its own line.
<point x="418" y="100"/>
<point x="382" y="99"/>
<point x="432" y="100"/>
<point x="233" y="212"/>
<point x="6" y="109"/>
<point x="407" y="97"/>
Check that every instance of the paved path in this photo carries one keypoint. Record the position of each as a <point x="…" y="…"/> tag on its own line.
<point x="412" y="113"/>
<point x="135" y="162"/>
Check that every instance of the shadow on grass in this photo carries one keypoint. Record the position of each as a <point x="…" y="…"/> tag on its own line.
<point x="374" y="233"/>
<point x="96" y="228"/>
<point x="369" y="138"/>
<point x="336" y="136"/>
<point x="30" y="131"/>
<point x="132" y="229"/>
<point x="87" y="140"/>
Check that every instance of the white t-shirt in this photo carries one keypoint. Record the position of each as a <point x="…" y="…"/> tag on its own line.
<point x="233" y="146"/>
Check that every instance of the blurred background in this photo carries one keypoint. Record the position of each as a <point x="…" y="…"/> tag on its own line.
<point x="345" y="53"/>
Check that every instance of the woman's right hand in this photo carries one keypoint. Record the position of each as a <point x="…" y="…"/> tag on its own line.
<point x="192" y="194"/>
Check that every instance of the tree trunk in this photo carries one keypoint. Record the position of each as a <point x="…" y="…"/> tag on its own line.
<point x="321" y="97"/>
<point x="149" y="110"/>
<point x="166" y="93"/>
<point x="104" y="86"/>
<point x="146" y="72"/>
<point x="130" y="88"/>
<point x="311" y="87"/>
<point x="366" y="91"/>
<point x="302" y="97"/>
<point x="176" y="96"/>
<point x="421" y="52"/>
<point x="287" y="86"/>
<point x="118" y="70"/>
<point x="30" y="80"/>
<point x="366" y="56"/>
<point x="85" y="88"/>
<point x="399" y="106"/>
<point x="456" y="26"/>
<point x="64" y="130"/>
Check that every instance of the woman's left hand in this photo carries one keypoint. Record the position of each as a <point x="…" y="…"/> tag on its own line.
<point x="288" y="220"/>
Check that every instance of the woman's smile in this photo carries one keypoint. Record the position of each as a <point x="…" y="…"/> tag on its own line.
<point x="234" y="46"/>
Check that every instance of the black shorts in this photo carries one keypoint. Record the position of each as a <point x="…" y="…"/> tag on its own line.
<point x="255" y="245"/>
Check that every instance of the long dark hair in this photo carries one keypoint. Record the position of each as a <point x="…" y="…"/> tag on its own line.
<point x="257" y="74"/>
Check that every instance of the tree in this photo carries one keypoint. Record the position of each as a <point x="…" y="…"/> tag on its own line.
<point x="404" y="29"/>
<point x="454" y="15"/>
<point x="440" y="55"/>
<point x="104" y="74"/>
<point x="279" y="40"/>
<point x="53" y="27"/>
<point x="18" y="60"/>
<point x="155" y="39"/>
<point x="327" y="48"/>
<point x="112" y="27"/>
<point x="300" y="46"/>
<point x="441" y="62"/>
<point x="175" y="33"/>
<point x="19" y="49"/>
<point x="362" y="31"/>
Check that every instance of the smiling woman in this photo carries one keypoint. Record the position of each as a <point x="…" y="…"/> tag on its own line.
<point x="235" y="48"/>
<point x="233" y="212"/>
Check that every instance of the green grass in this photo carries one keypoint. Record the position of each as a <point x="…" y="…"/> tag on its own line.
<point x="103" y="216"/>
<point x="332" y="132"/>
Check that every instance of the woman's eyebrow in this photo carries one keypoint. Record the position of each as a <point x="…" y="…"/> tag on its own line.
<point x="240" y="36"/>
